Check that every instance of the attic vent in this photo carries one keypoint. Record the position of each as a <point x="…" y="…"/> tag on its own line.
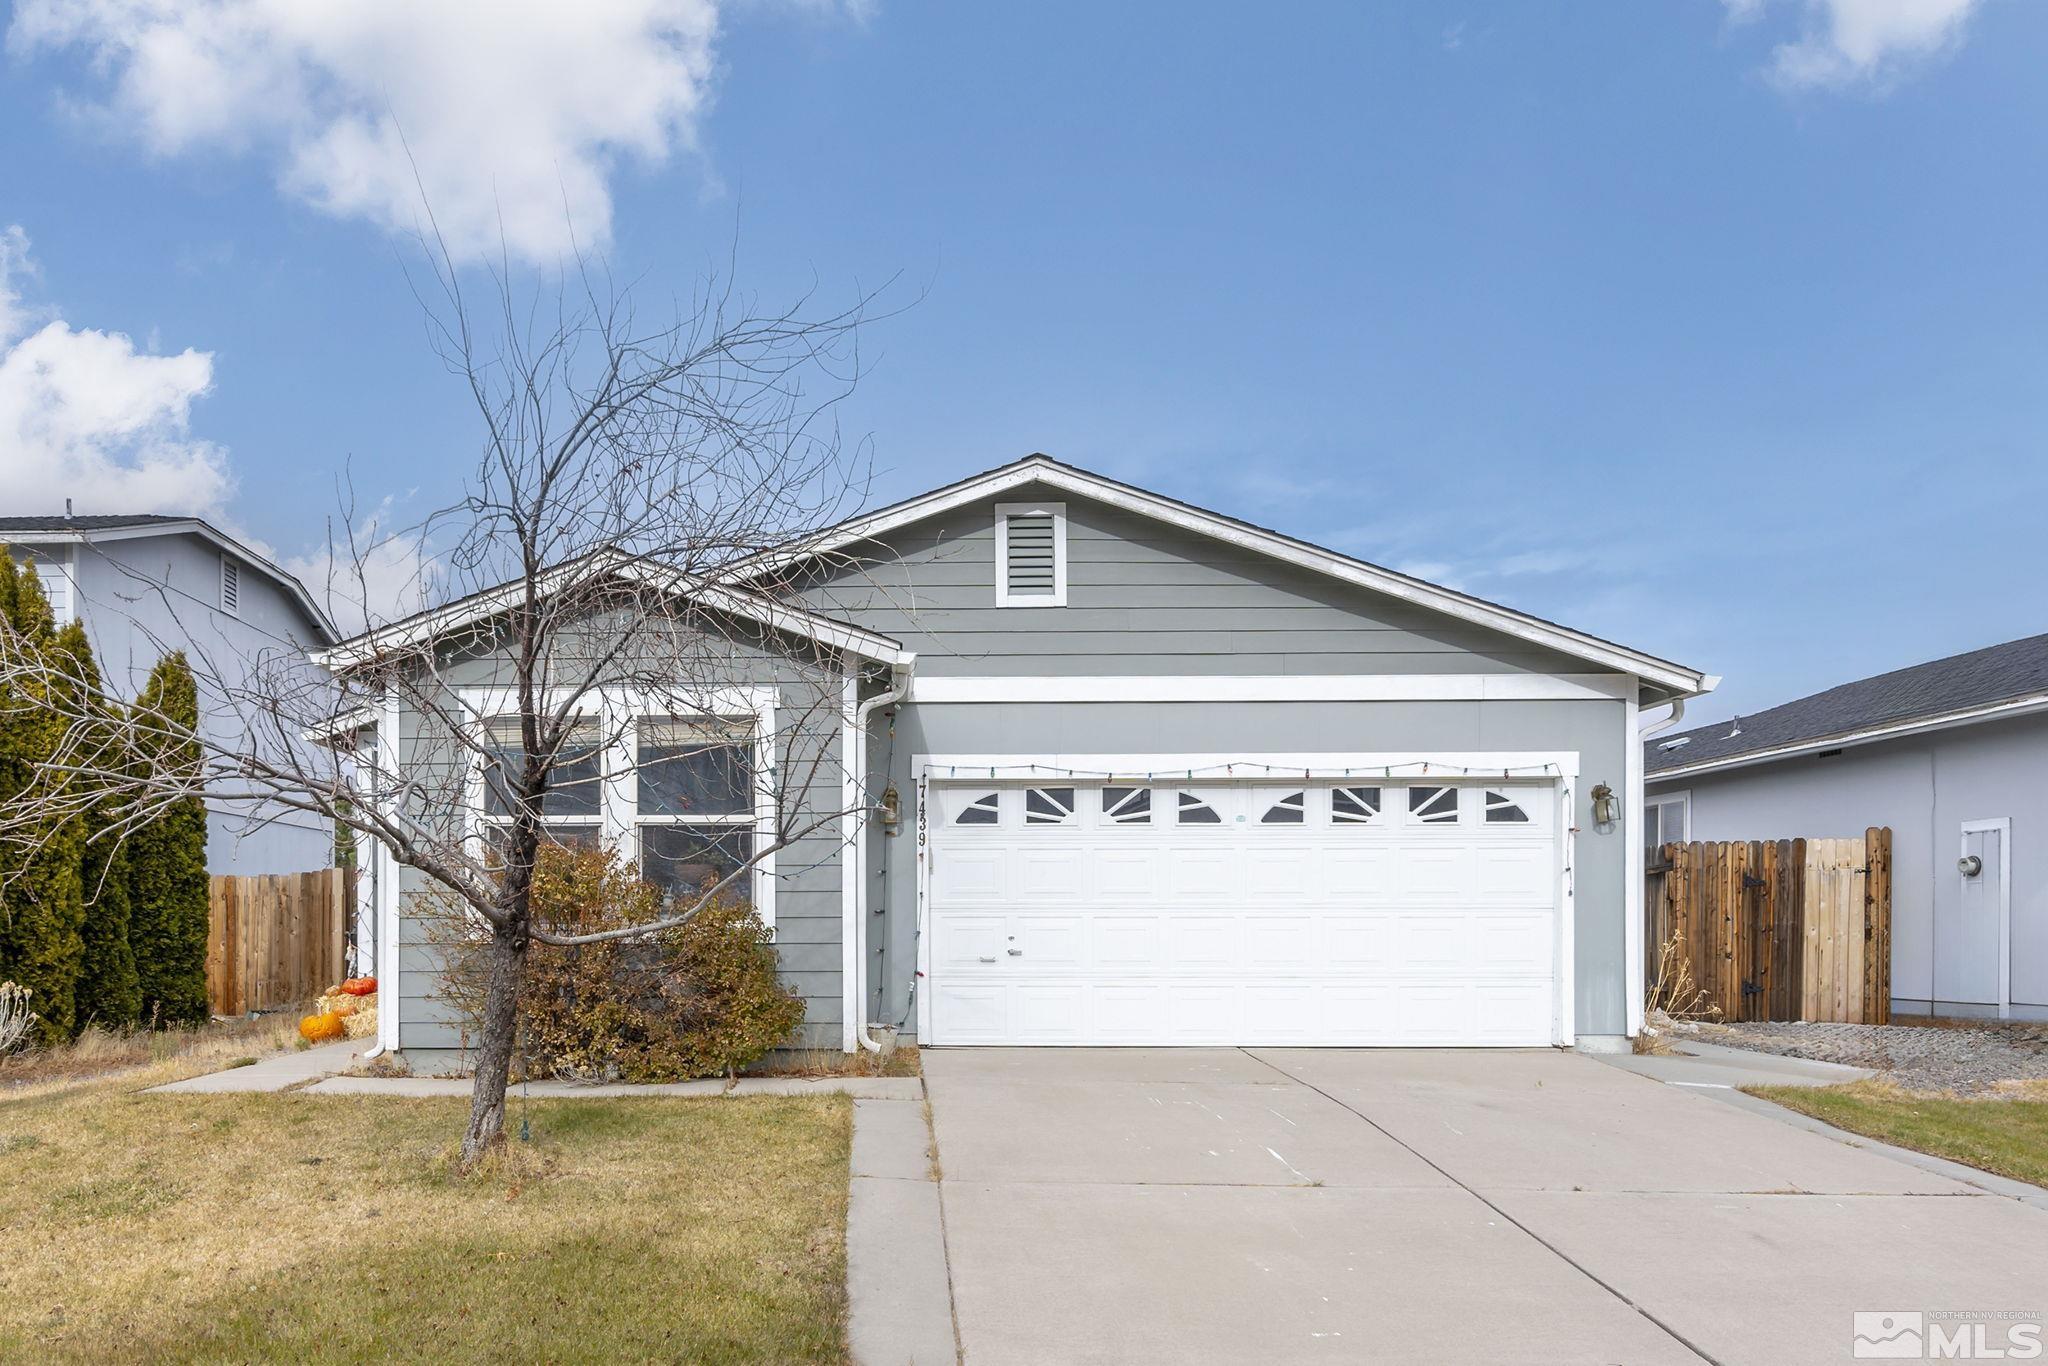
<point x="230" y="586"/>
<point x="1031" y="555"/>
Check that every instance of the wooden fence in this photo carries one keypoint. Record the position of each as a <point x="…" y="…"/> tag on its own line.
<point x="276" y="939"/>
<point x="1797" y="929"/>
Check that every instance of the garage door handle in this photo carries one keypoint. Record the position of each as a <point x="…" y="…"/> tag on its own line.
<point x="990" y="958"/>
<point x="1016" y="953"/>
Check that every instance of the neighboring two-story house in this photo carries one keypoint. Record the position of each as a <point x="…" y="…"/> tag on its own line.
<point x="1150" y="775"/>
<point x="146" y="585"/>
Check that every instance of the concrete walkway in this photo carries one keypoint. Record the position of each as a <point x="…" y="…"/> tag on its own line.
<point x="278" y="1072"/>
<point x="874" y="1088"/>
<point x="1288" y="1206"/>
<point x="315" y="1072"/>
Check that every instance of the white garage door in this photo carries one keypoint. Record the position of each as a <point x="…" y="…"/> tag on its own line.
<point x="1396" y="913"/>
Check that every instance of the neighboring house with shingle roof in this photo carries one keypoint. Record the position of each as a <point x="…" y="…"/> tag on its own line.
<point x="149" y="583"/>
<point x="1953" y="756"/>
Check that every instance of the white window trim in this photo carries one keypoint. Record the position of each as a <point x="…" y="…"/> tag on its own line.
<point x="619" y="711"/>
<point x="1681" y="800"/>
<point x="2002" y="826"/>
<point x="1013" y="768"/>
<point x="47" y="570"/>
<point x="1058" y="513"/>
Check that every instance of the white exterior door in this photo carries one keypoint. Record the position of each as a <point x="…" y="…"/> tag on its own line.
<point x="1397" y="912"/>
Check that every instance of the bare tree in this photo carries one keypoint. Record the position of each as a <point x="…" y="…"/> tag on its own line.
<point x="563" y="647"/>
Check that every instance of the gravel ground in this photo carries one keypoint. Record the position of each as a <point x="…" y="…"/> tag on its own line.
<point x="1958" y="1058"/>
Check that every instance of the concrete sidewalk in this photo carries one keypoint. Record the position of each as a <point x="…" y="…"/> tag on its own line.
<point x="899" y="1300"/>
<point x="872" y="1088"/>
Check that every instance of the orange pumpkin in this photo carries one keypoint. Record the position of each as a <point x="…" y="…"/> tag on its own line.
<point x="321" y="1028"/>
<point x="359" y="986"/>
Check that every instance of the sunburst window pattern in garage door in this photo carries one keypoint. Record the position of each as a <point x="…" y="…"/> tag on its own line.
<point x="1048" y="805"/>
<point x="1501" y="809"/>
<point x="1289" y="810"/>
<point x="1433" y="805"/>
<point x="985" y="809"/>
<point x="1127" y="805"/>
<point x="1354" y="805"/>
<point x="1389" y="912"/>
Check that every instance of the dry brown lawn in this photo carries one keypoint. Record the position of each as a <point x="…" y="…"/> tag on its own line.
<point x="309" y="1228"/>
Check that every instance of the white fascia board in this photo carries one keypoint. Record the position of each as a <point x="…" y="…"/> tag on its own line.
<point x="191" y="527"/>
<point x="825" y="631"/>
<point x="485" y="700"/>
<point x="1970" y="716"/>
<point x="1276" y="688"/>
<point x="1665" y="674"/>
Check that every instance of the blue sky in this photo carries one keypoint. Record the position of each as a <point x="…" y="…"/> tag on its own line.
<point x="1716" y="328"/>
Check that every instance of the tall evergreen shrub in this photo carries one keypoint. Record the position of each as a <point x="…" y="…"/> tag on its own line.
<point x="167" y="884"/>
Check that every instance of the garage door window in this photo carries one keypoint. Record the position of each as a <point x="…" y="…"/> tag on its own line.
<point x="1127" y="805"/>
<point x="1355" y="805"/>
<point x="1433" y="805"/>
<point x="1502" y="809"/>
<point x="1289" y="810"/>
<point x="1048" y="805"/>
<point x="982" y="810"/>
<point x="1194" y="811"/>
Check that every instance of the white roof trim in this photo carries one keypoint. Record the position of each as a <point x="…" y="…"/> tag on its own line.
<point x="191" y="526"/>
<point x="1038" y="469"/>
<point x="1966" y="716"/>
<point x="415" y="631"/>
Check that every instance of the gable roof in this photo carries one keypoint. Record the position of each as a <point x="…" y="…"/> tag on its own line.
<point x="125" y="526"/>
<point x="1675" y="680"/>
<point x="1982" y="685"/>
<point x="421" y="627"/>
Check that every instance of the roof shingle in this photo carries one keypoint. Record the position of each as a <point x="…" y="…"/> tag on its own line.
<point x="1997" y="673"/>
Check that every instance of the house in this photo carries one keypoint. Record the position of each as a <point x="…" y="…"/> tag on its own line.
<point x="146" y="585"/>
<point x="1949" y="754"/>
<point x="1153" y="775"/>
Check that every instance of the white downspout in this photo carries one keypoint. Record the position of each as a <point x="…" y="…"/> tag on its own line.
<point x="1659" y="727"/>
<point x="855" y="1001"/>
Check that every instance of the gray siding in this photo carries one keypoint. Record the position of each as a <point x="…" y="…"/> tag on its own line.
<point x="1144" y="598"/>
<point x="1924" y="788"/>
<point x="807" y="875"/>
<point x="141" y="597"/>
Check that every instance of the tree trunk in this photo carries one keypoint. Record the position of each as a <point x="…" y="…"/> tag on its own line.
<point x="499" y="1029"/>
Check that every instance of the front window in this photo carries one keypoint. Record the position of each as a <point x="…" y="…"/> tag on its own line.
<point x="569" y="809"/>
<point x="695" y="811"/>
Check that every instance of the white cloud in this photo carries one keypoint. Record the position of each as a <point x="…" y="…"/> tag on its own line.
<point x="376" y="575"/>
<point x="86" y="416"/>
<point x="513" y="113"/>
<point x="1862" y="42"/>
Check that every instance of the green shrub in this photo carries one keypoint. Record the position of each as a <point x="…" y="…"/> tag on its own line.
<point x="167" y="884"/>
<point x="42" y="910"/>
<point x="699" y="1000"/>
<point x="109" y="994"/>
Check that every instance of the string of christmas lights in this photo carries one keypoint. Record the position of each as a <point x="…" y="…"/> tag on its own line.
<point x="1410" y="768"/>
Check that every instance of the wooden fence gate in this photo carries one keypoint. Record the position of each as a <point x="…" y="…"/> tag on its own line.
<point x="276" y="939"/>
<point x="1797" y="929"/>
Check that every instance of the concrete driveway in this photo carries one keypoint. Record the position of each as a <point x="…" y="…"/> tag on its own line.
<point x="1273" y="1206"/>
